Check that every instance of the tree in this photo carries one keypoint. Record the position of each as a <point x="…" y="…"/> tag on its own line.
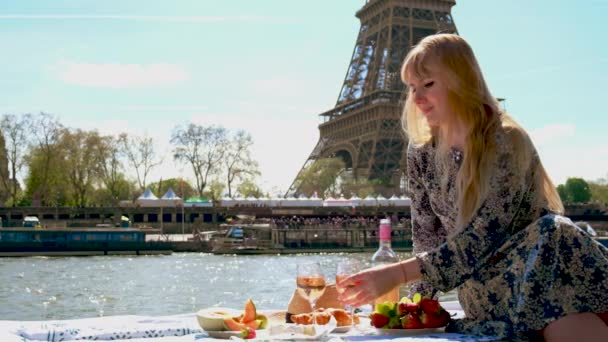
<point x="110" y="154"/>
<point x="201" y="147"/>
<point x="599" y="192"/>
<point x="215" y="189"/>
<point x="4" y="176"/>
<point x="321" y="177"/>
<point x="563" y="194"/>
<point x="141" y="155"/>
<point x="46" y="131"/>
<point x="47" y="173"/>
<point x="122" y="189"/>
<point x="82" y="162"/>
<point x="237" y="159"/>
<point x="180" y="186"/>
<point x="14" y="129"/>
<point x="249" y="188"/>
<point x="361" y="187"/>
<point x="577" y="190"/>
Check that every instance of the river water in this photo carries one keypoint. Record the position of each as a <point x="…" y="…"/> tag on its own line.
<point x="44" y="288"/>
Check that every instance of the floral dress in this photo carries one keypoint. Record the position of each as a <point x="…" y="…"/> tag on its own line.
<point x="516" y="265"/>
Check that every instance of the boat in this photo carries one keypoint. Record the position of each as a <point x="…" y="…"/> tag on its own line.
<point x="33" y="241"/>
<point x="242" y="239"/>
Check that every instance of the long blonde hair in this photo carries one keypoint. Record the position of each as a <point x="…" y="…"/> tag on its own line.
<point x="475" y="108"/>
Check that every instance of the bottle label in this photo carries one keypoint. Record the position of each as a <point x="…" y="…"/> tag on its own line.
<point x="385" y="232"/>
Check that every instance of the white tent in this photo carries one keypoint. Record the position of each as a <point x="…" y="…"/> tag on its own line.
<point x="355" y="200"/>
<point x="170" y="199"/>
<point x="368" y="201"/>
<point x="382" y="201"/>
<point x="313" y="201"/>
<point x="228" y="202"/>
<point x="147" y="199"/>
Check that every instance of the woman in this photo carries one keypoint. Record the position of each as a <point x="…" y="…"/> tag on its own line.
<point x="485" y="215"/>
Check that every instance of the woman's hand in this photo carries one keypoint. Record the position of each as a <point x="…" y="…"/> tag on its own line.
<point x="363" y="287"/>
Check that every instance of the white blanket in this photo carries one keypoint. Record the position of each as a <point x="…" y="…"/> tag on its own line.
<point x="170" y="328"/>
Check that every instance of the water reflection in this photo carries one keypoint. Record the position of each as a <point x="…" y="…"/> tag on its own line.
<point x="40" y="288"/>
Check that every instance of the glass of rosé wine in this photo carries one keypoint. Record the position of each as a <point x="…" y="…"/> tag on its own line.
<point x="344" y="269"/>
<point x="311" y="284"/>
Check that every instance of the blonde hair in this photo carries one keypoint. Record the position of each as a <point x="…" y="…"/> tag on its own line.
<point x="475" y="108"/>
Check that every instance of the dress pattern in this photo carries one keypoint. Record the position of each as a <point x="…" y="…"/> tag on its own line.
<point x="517" y="266"/>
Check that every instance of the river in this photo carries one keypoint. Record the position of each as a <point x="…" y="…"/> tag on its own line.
<point x="45" y="288"/>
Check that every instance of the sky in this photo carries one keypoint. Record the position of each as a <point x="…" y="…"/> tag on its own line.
<point x="271" y="66"/>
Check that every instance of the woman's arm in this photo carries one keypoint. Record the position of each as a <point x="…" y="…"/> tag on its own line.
<point x="427" y="231"/>
<point x="363" y="287"/>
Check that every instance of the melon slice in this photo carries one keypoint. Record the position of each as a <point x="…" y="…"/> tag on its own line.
<point x="212" y="319"/>
<point x="232" y="324"/>
<point x="250" y="313"/>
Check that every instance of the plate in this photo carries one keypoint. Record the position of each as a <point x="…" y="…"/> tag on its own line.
<point x="341" y="330"/>
<point x="410" y="332"/>
<point x="222" y="334"/>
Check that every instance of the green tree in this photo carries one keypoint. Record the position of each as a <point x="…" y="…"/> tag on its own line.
<point x="249" y="188"/>
<point x="82" y="161"/>
<point x="321" y="177"/>
<point x="45" y="155"/>
<point x="577" y="190"/>
<point x="46" y="173"/>
<point x="180" y="186"/>
<point x="563" y="194"/>
<point x="359" y="187"/>
<point x="215" y="189"/>
<point x="599" y="192"/>
<point x="123" y="189"/>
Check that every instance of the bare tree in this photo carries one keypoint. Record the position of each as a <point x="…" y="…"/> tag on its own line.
<point x="141" y="155"/>
<point x="237" y="160"/>
<point x="201" y="147"/>
<point x="14" y="129"/>
<point x="4" y="175"/>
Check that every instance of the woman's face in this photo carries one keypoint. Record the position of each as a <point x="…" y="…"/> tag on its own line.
<point x="430" y="94"/>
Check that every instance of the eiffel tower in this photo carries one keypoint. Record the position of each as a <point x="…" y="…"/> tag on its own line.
<point x="364" y="128"/>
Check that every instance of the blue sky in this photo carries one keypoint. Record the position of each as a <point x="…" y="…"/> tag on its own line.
<point x="271" y="66"/>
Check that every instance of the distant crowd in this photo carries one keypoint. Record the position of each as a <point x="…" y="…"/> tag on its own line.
<point x="338" y="222"/>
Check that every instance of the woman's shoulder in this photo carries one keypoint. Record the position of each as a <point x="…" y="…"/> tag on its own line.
<point x="510" y="135"/>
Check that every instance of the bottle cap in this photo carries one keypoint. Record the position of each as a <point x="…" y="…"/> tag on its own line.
<point x="385" y="229"/>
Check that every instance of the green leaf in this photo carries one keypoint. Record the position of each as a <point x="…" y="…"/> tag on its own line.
<point x="405" y="300"/>
<point x="417" y="297"/>
<point x="385" y="308"/>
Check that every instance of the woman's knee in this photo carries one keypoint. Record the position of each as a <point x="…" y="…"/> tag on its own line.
<point x="585" y="326"/>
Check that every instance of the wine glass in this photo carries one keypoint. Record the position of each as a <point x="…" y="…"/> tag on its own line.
<point x="344" y="269"/>
<point x="311" y="284"/>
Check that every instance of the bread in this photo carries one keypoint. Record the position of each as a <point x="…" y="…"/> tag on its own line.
<point x="322" y="316"/>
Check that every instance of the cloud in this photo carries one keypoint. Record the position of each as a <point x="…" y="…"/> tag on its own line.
<point x="552" y="133"/>
<point x="121" y="75"/>
<point x="155" y="18"/>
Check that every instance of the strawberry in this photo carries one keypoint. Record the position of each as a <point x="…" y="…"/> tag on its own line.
<point x="405" y="308"/>
<point x="430" y="306"/>
<point x="430" y="320"/>
<point x="411" y="321"/>
<point x="247" y="333"/>
<point x="379" y="320"/>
